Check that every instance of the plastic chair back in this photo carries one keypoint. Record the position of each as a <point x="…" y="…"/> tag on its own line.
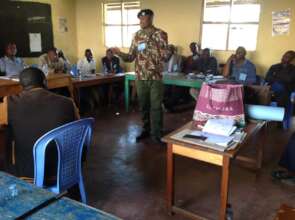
<point x="70" y="140"/>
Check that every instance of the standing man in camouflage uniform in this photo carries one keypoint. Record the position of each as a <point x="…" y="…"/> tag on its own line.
<point x="149" y="50"/>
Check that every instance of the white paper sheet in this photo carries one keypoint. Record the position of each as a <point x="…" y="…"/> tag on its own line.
<point x="35" y="42"/>
<point x="223" y="127"/>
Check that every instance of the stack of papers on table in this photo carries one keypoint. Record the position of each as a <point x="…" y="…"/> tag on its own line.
<point x="224" y="127"/>
<point x="212" y="141"/>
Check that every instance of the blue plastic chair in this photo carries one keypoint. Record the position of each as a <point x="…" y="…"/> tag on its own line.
<point x="70" y="140"/>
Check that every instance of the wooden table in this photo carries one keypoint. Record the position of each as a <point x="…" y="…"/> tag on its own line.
<point x="18" y="197"/>
<point x="218" y="158"/>
<point x="95" y="80"/>
<point x="177" y="79"/>
<point x="285" y="213"/>
<point x="26" y="196"/>
<point x="11" y="87"/>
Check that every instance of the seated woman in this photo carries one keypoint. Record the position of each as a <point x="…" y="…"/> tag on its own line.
<point x="240" y="69"/>
<point x="287" y="161"/>
<point x="281" y="77"/>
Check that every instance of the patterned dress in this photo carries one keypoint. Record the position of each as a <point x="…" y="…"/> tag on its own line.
<point x="149" y="49"/>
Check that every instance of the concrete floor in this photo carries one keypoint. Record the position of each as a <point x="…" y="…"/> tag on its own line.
<point x="127" y="179"/>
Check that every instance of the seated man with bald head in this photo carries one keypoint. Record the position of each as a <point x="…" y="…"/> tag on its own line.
<point x="31" y="114"/>
<point x="281" y="78"/>
<point x="240" y="69"/>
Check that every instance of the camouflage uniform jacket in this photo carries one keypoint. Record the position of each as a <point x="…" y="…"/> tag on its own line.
<point x="150" y="51"/>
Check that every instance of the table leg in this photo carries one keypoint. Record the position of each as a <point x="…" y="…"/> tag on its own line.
<point x="170" y="178"/>
<point x="126" y="94"/>
<point x="3" y="147"/>
<point x="77" y="97"/>
<point x="110" y="94"/>
<point x="224" y="187"/>
<point x="261" y="148"/>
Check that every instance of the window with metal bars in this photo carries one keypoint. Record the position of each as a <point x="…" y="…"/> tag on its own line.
<point x="228" y="24"/>
<point x="120" y="22"/>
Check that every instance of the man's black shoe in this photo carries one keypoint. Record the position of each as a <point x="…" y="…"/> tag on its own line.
<point x="143" y="135"/>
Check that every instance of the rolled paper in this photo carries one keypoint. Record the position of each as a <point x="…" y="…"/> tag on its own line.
<point x="264" y="112"/>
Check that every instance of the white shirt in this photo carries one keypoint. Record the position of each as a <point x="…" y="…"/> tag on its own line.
<point x="174" y="64"/>
<point x="11" y="66"/>
<point x="85" y="67"/>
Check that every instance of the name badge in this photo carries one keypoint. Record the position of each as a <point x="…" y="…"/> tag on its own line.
<point x="175" y="67"/>
<point x="242" y="77"/>
<point x="141" y="46"/>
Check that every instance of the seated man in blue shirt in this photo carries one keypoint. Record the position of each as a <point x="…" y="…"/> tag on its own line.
<point x="240" y="69"/>
<point x="281" y="77"/>
<point x="10" y="64"/>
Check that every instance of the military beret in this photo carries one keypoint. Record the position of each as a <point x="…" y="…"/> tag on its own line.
<point x="145" y="12"/>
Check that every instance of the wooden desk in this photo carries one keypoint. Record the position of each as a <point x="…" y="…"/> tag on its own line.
<point x="177" y="79"/>
<point x="218" y="158"/>
<point x="285" y="213"/>
<point x="11" y="87"/>
<point x="97" y="80"/>
<point x="94" y="81"/>
<point x="27" y="196"/>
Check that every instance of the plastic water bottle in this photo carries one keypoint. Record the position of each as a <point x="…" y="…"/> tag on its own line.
<point x="175" y="68"/>
<point x="79" y="74"/>
<point x="45" y="69"/>
<point x="9" y="193"/>
<point x="13" y="190"/>
<point x="105" y="69"/>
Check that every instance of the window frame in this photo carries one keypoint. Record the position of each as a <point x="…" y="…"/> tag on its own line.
<point x="229" y="23"/>
<point x="121" y="25"/>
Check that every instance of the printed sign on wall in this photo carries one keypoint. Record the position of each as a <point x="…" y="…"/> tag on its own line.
<point x="281" y="22"/>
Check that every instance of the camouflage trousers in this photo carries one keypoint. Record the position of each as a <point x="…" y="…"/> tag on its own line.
<point x="150" y="97"/>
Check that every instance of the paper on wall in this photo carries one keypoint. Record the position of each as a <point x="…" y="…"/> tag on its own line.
<point x="281" y="22"/>
<point x="35" y="42"/>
